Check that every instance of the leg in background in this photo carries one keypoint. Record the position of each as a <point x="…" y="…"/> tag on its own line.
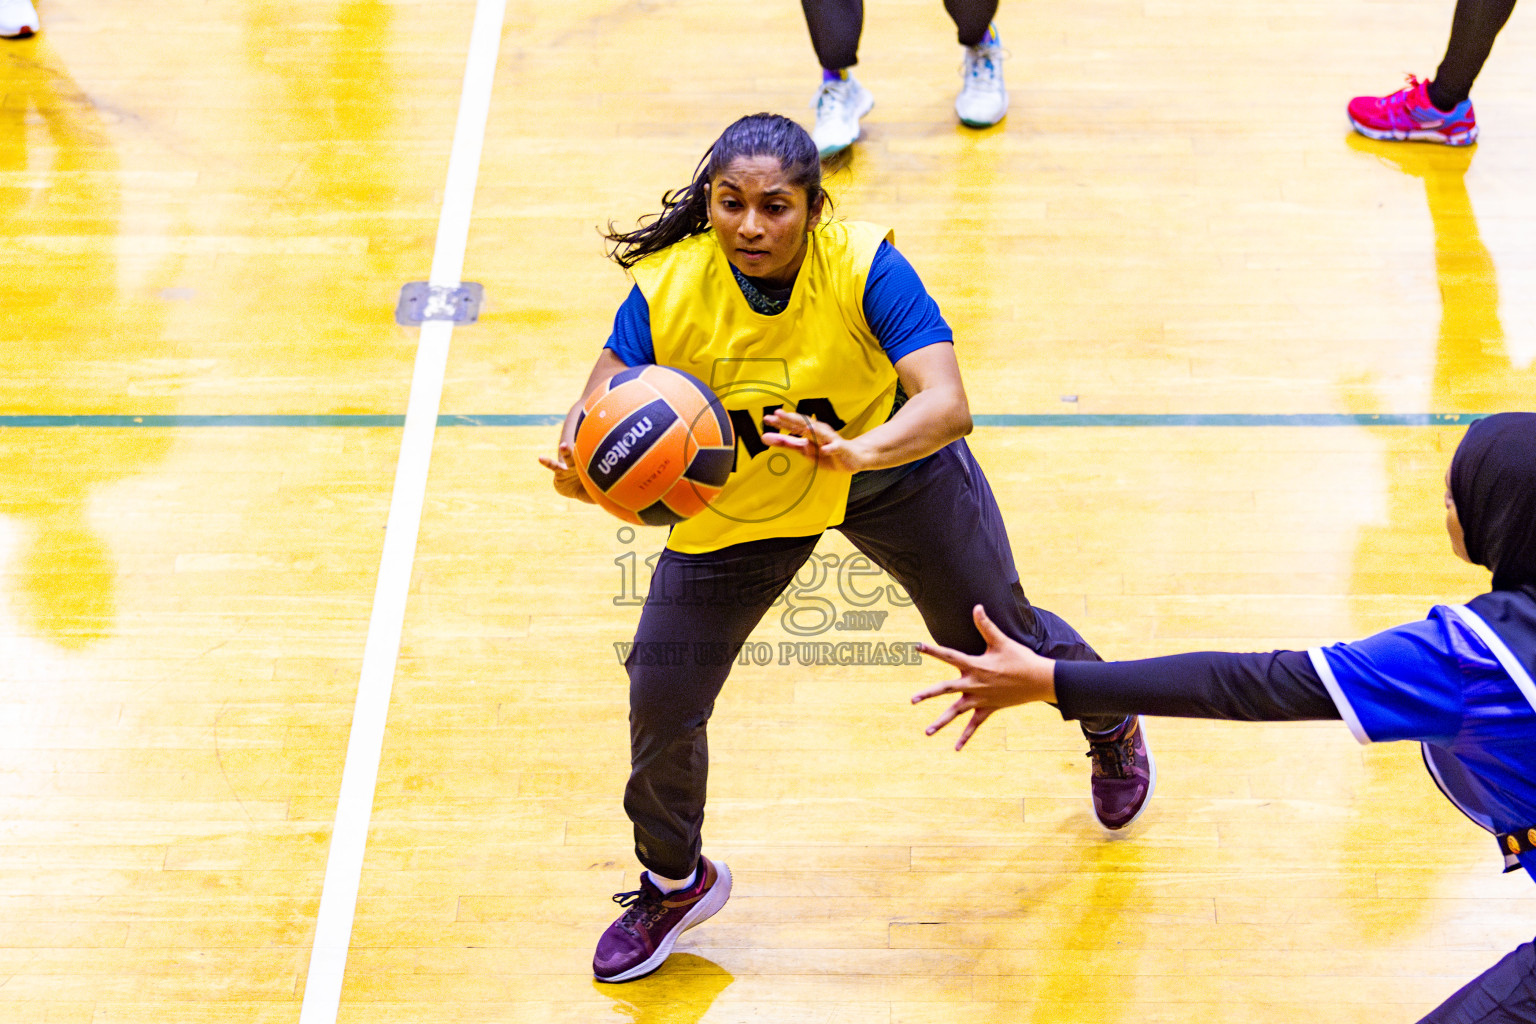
<point x="1473" y="28"/>
<point x="972" y="18"/>
<point x="983" y="99"/>
<point x="840" y="101"/>
<point x="1438" y="111"/>
<point x="835" y="27"/>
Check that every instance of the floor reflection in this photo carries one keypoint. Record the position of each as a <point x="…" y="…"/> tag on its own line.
<point x="680" y="993"/>
<point x="63" y="298"/>
<point x="1473" y="371"/>
<point x="1406" y="558"/>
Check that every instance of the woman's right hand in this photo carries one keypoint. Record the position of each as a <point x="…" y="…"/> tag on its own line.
<point x="567" y="481"/>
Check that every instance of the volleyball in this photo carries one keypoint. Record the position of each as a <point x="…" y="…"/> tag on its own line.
<point x="654" y="446"/>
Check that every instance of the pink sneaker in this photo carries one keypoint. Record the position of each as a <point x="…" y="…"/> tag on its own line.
<point x="1408" y="116"/>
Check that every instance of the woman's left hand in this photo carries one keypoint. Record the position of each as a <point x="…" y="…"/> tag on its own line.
<point x="1007" y="674"/>
<point x="815" y="440"/>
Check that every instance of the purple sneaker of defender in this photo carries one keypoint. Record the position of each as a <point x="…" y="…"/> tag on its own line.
<point x="1408" y="116"/>
<point x="643" y="936"/>
<point x="1124" y="775"/>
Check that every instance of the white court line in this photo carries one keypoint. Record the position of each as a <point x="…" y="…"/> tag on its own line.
<point x="354" y="804"/>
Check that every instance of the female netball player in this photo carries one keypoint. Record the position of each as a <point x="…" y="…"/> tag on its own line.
<point x="1459" y="682"/>
<point x="744" y="283"/>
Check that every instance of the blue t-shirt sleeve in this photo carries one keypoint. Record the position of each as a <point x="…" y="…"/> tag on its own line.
<point x="898" y="308"/>
<point x="631" y="337"/>
<point x="1401" y="684"/>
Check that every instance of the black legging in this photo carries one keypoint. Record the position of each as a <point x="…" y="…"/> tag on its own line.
<point x="837" y="24"/>
<point x="1473" y="28"/>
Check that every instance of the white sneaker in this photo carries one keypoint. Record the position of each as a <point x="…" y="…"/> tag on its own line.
<point x="18" y="19"/>
<point x="839" y="105"/>
<point x="983" y="99"/>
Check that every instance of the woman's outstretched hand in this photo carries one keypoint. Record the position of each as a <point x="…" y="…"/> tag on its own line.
<point x="815" y="440"/>
<point x="567" y="480"/>
<point x="1007" y="674"/>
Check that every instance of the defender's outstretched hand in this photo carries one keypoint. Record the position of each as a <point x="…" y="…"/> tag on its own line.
<point x="1007" y="674"/>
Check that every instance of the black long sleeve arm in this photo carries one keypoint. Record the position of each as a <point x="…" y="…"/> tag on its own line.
<point x="1280" y="686"/>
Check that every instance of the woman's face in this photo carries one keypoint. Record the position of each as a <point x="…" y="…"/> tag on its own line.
<point x="761" y="218"/>
<point x="1452" y="523"/>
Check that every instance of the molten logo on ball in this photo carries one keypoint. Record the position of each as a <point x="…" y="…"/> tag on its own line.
<point x="622" y="445"/>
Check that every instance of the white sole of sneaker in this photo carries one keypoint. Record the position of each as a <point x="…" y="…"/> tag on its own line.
<point x="702" y="911"/>
<point x="985" y="124"/>
<point x="1465" y="138"/>
<point x="982" y="124"/>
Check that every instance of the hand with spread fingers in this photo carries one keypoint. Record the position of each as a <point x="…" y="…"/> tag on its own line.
<point x="1008" y="673"/>
<point x="815" y="440"/>
<point x="567" y="480"/>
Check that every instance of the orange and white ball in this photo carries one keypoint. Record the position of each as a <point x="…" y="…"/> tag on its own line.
<point x="654" y="446"/>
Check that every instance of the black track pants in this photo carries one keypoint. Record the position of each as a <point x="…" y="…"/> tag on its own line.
<point x="1473" y="29"/>
<point x="837" y="24"/>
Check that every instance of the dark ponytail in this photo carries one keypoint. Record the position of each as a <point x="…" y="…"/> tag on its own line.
<point x="685" y="211"/>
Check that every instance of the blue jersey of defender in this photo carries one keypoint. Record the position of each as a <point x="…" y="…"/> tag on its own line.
<point x="1462" y="689"/>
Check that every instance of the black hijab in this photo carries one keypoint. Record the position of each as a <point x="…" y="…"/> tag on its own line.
<point x="1493" y="483"/>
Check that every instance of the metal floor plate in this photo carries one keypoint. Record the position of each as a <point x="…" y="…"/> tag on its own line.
<point x="421" y="301"/>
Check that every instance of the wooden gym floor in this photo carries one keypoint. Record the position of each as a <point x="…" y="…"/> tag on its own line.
<point x="207" y="210"/>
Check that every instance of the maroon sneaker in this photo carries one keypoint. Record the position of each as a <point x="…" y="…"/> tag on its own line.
<point x="1124" y="774"/>
<point x="643" y="936"/>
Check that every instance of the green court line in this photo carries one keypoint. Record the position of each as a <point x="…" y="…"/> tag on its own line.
<point x="1234" y="419"/>
<point x="1411" y="419"/>
<point x="279" y="420"/>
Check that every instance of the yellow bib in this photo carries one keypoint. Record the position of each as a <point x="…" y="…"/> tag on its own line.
<point x="818" y="357"/>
